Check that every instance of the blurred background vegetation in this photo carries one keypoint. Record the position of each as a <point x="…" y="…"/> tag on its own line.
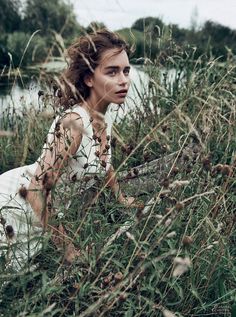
<point x="55" y="18"/>
<point x="189" y="217"/>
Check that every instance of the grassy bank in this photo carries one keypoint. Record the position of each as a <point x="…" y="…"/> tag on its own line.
<point x="178" y="257"/>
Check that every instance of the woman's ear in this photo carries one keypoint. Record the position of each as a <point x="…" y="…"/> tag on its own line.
<point x="88" y="80"/>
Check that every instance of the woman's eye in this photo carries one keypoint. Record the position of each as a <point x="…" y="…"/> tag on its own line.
<point x="112" y="73"/>
<point x="126" y="72"/>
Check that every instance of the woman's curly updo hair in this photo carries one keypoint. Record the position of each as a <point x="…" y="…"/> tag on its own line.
<point x="84" y="56"/>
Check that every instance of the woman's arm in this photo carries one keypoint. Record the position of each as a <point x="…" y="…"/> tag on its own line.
<point x="66" y="140"/>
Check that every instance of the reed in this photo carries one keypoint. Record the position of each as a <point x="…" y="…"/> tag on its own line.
<point x="175" y="257"/>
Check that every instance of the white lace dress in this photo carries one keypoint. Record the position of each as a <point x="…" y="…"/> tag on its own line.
<point x="20" y="230"/>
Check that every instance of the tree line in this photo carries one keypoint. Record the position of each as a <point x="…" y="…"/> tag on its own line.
<point x="38" y="29"/>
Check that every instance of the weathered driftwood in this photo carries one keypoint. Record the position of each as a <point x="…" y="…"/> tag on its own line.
<point x="138" y="181"/>
<point x="144" y="178"/>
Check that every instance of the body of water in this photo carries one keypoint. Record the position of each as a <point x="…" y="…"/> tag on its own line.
<point x="23" y="92"/>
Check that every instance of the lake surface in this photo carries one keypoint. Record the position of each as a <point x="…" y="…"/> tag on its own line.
<point x="23" y="92"/>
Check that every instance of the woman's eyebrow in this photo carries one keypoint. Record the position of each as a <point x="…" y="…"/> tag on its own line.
<point x="116" y="67"/>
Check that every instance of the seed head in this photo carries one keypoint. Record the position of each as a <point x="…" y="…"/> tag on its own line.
<point x="206" y="162"/>
<point x="187" y="240"/>
<point x="23" y="192"/>
<point x="174" y="171"/>
<point x="164" y="128"/>
<point x="165" y="183"/>
<point x="179" y="206"/>
<point x="103" y="163"/>
<point x="2" y="221"/>
<point x="74" y="178"/>
<point x="9" y="231"/>
<point x="123" y="297"/>
<point x="97" y="153"/>
<point x="226" y="170"/>
<point x="47" y="182"/>
<point x="85" y="165"/>
<point x="118" y="276"/>
<point x="40" y="93"/>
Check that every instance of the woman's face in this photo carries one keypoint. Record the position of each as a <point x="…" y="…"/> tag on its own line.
<point x="110" y="81"/>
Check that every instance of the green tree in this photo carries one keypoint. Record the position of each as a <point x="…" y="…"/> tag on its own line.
<point x="148" y="24"/>
<point x="50" y="15"/>
<point x="10" y="18"/>
<point x="24" y="49"/>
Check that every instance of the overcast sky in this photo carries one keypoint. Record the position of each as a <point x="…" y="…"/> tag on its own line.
<point x="117" y="14"/>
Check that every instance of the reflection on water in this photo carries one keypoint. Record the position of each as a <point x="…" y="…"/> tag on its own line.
<point x="16" y="96"/>
<point x="23" y="94"/>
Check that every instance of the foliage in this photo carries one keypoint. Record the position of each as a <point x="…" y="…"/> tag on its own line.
<point x="9" y="16"/>
<point x="187" y="225"/>
<point x="25" y="49"/>
<point x="48" y="16"/>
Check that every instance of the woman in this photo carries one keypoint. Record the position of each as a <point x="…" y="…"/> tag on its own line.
<point x="77" y="144"/>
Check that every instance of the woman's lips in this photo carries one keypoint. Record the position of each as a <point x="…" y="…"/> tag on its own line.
<point x="122" y="93"/>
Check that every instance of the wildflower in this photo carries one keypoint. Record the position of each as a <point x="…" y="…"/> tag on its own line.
<point x="165" y="183"/>
<point x="226" y="170"/>
<point x="181" y="266"/>
<point x="47" y="182"/>
<point x="97" y="153"/>
<point x="23" y="192"/>
<point x="123" y="297"/>
<point x="168" y="222"/>
<point x="187" y="240"/>
<point x="168" y="313"/>
<point x="118" y="276"/>
<point x="40" y="93"/>
<point x="164" y="128"/>
<point x="177" y="184"/>
<point x="172" y="234"/>
<point x="174" y="171"/>
<point x="179" y="206"/>
<point x="209" y="247"/>
<point x="130" y="236"/>
<point x="74" y="177"/>
<point x="2" y="221"/>
<point x="108" y="279"/>
<point x="9" y="231"/>
<point x="103" y="163"/>
<point x="206" y="162"/>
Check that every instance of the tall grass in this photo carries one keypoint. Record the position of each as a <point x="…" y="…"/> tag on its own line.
<point x="176" y="257"/>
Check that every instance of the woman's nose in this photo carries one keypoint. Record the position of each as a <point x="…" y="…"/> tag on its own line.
<point x="123" y="80"/>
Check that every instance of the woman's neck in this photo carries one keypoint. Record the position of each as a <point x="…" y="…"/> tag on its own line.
<point x="96" y="110"/>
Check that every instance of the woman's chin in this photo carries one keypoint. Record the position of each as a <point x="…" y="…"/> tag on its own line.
<point x="119" y="100"/>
